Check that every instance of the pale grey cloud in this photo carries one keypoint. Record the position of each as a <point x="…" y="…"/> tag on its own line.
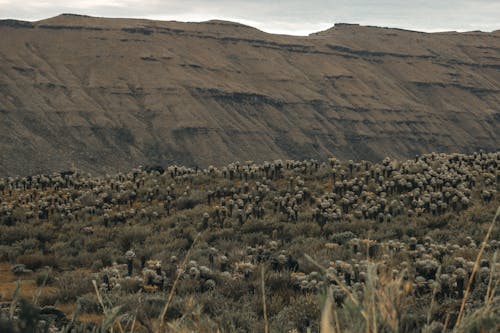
<point x="291" y="16"/>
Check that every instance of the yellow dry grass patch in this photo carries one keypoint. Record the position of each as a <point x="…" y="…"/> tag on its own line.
<point x="297" y="274"/>
<point x="328" y="185"/>
<point x="28" y="287"/>
<point x="332" y="246"/>
<point x="69" y="309"/>
<point x="90" y="317"/>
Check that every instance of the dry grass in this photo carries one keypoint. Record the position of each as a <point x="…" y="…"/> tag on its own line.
<point x="28" y="287"/>
<point x="90" y="318"/>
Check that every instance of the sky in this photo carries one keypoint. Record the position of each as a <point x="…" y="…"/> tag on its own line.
<point x="294" y="17"/>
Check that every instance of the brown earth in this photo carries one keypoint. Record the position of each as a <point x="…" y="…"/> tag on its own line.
<point x="108" y="94"/>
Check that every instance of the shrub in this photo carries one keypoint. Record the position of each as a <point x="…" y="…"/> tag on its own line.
<point x="95" y="243"/>
<point x="302" y="313"/>
<point x="130" y="286"/>
<point x="9" y="253"/>
<point x="11" y="234"/>
<point x="28" y="244"/>
<point x="36" y="261"/>
<point x="342" y="237"/>
<point x="190" y="201"/>
<point x="48" y="299"/>
<point x="88" y="303"/>
<point x="302" y="228"/>
<point x="45" y="276"/>
<point x="73" y="284"/>
<point x="152" y="305"/>
<point x="131" y="235"/>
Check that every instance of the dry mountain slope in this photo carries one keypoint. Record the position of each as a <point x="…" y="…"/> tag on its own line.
<point x="109" y="94"/>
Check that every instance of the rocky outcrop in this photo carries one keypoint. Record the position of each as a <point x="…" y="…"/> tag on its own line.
<point x="109" y="94"/>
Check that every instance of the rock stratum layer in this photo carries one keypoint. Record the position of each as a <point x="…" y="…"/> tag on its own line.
<point x="108" y="94"/>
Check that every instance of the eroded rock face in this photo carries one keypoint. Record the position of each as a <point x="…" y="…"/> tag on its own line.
<point x="109" y="94"/>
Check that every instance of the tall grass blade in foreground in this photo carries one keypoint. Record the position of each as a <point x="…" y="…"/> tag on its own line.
<point x="172" y="291"/>
<point x="476" y="267"/>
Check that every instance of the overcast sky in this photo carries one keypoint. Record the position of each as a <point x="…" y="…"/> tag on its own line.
<point x="296" y="17"/>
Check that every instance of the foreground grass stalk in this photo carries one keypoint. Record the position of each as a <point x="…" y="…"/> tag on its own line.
<point x="264" y="306"/>
<point x="326" y="315"/>
<point x="15" y="299"/>
<point x="474" y="270"/>
<point x="39" y="290"/>
<point x="176" y="281"/>
<point x="490" y="290"/>
<point x="110" y="315"/>
<point x="336" y="317"/>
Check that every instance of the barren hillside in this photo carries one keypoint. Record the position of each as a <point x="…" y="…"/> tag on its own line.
<point x="109" y="94"/>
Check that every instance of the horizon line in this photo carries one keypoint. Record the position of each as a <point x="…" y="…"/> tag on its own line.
<point x="253" y="24"/>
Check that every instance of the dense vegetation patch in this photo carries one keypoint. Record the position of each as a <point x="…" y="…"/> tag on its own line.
<point x="395" y="246"/>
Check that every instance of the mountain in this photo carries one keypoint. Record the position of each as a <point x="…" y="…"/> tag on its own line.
<point x="107" y="94"/>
